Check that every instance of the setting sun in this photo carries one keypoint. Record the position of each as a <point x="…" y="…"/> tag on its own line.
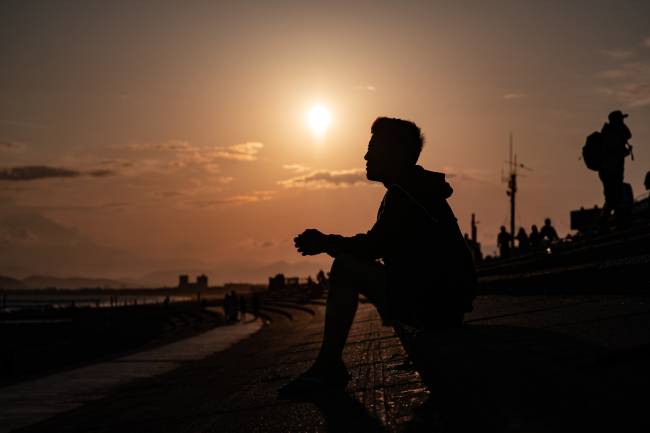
<point x="319" y="119"/>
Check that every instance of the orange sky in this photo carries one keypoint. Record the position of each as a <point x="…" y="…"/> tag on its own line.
<point x="174" y="138"/>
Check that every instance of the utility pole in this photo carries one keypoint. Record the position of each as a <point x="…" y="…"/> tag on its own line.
<point x="474" y="231"/>
<point x="512" y="192"/>
<point x="511" y="181"/>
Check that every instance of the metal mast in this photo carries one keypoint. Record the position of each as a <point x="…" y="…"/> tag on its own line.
<point x="511" y="180"/>
<point x="512" y="192"/>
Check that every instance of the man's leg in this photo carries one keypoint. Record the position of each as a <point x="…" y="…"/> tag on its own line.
<point x="349" y="277"/>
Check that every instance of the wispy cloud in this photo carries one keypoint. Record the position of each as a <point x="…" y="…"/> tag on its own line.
<point x="513" y="95"/>
<point x="468" y="174"/>
<point x="296" y="168"/>
<point x="102" y="206"/>
<point x="22" y="124"/>
<point x="629" y="83"/>
<point x="170" y="145"/>
<point x="12" y="146"/>
<point x="366" y="87"/>
<point x="253" y="197"/>
<point x="320" y="179"/>
<point x="37" y="172"/>
<point x="617" y="54"/>
<point x="240" y="152"/>
<point x="185" y="154"/>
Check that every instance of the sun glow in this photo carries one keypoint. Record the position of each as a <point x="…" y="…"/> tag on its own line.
<point x="319" y="120"/>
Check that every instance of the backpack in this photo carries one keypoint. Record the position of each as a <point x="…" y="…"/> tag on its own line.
<point x="593" y="151"/>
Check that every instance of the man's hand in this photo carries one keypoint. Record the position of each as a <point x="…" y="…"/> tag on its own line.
<point x="310" y="242"/>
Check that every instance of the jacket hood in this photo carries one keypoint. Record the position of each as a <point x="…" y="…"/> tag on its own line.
<point x="431" y="183"/>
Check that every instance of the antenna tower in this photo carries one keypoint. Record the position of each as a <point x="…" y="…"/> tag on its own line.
<point x="511" y="181"/>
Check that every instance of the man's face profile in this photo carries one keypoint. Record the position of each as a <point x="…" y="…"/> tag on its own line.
<point x="379" y="163"/>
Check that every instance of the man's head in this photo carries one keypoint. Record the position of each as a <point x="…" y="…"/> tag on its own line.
<point x="616" y="116"/>
<point x="547" y="222"/>
<point x="395" y="146"/>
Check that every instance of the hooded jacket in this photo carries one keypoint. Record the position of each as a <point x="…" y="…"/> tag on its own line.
<point x="429" y="266"/>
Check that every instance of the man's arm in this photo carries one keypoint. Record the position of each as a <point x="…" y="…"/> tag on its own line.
<point x="312" y="242"/>
<point x="369" y="245"/>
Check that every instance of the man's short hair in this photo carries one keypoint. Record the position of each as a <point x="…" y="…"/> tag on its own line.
<point x="402" y="133"/>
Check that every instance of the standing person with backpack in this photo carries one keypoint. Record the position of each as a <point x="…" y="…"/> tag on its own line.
<point x="615" y="136"/>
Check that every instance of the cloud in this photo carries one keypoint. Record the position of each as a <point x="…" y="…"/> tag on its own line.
<point x="628" y="83"/>
<point x="240" y="152"/>
<point x="12" y="146"/>
<point x="320" y="179"/>
<point x="109" y="206"/>
<point x="617" y="54"/>
<point x="100" y="173"/>
<point x="31" y="243"/>
<point x="511" y="96"/>
<point x="185" y="154"/>
<point x="22" y="124"/>
<point x="468" y="174"/>
<point x="120" y="163"/>
<point x="296" y="168"/>
<point x="170" y="145"/>
<point x="37" y="172"/>
<point x="258" y="243"/>
<point x="646" y="42"/>
<point x="254" y="197"/>
<point x="366" y="87"/>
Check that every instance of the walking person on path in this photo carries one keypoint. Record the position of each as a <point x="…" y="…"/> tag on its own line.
<point x="426" y="277"/>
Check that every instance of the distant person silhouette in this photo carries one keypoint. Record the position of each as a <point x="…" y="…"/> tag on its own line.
<point x="427" y="277"/>
<point x="523" y="242"/>
<point x="646" y="183"/>
<point x="503" y="243"/>
<point x="322" y="279"/>
<point x="234" y="305"/>
<point x="255" y="304"/>
<point x="226" y="306"/>
<point x="474" y="248"/>
<point x="535" y="238"/>
<point x="548" y="231"/>
<point x="242" y="308"/>
<point x="615" y="135"/>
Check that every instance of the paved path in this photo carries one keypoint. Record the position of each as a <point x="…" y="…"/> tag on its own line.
<point x="29" y="402"/>
<point x="529" y="364"/>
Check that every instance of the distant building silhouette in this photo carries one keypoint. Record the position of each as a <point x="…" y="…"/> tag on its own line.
<point x="277" y="282"/>
<point x="201" y="282"/>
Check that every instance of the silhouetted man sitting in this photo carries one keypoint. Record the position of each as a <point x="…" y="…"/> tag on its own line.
<point x="427" y="277"/>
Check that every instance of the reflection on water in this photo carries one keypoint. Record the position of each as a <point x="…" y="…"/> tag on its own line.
<point x="16" y="302"/>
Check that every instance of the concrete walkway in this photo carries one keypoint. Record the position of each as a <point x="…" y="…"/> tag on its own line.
<point x="30" y="402"/>
<point x="524" y="364"/>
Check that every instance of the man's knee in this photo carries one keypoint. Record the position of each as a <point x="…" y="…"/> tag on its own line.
<point x="343" y="268"/>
